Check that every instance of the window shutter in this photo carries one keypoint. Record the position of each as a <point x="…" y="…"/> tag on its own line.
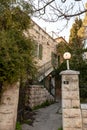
<point x="40" y="51"/>
<point x="36" y="50"/>
<point x="52" y="58"/>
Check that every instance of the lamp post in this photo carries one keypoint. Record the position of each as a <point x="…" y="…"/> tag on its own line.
<point x="67" y="56"/>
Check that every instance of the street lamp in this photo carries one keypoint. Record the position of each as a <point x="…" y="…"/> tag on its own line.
<point x="67" y="56"/>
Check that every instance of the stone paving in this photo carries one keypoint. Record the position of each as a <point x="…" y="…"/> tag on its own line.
<point x="48" y="118"/>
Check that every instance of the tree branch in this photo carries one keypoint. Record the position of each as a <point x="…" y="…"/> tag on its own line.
<point x="43" y="8"/>
<point x="76" y="14"/>
<point x="57" y="10"/>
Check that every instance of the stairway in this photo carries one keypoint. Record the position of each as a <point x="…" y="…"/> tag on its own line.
<point x="44" y="70"/>
<point x="37" y="95"/>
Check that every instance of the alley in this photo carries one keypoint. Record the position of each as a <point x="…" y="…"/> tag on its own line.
<point x="48" y="118"/>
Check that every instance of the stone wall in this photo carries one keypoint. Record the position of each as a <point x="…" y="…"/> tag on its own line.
<point x="72" y="116"/>
<point x="8" y="107"/>
<point x="36" y="95"/>
<point x="74" y="113"/>
<point x="84" y="116"/>
<point x="43" y="38"/>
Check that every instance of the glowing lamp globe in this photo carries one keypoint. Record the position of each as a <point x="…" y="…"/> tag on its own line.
<point x="67" y="56"/>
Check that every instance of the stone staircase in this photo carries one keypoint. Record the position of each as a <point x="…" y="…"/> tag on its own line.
<point x="36" y="95"/>
<point x="44" y="70"/>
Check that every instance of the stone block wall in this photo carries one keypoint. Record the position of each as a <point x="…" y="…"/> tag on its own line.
<point x="72" y="118"/>
<point x="84" y="116"/>
<point x="74" y="113"/>
<point x="36" y="95"/>
<point x="47" y="42"/>
<point x="8" y="107"/>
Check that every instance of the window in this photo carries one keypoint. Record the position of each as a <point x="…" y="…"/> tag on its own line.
<point x="36" y="50"/>
<point x="54" y="60"/>
<point x="40" y="51"/>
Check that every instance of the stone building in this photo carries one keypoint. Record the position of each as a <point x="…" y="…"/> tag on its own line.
<point x="45" y="44"/>
<point x="45" y="53"/>
<point x="46" y="56"/>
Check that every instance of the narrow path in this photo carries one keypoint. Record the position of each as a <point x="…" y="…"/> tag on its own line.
<point x="46" y="119"/>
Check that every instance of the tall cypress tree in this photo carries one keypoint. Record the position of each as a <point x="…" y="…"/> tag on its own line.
<point x="83" y="30"/>
<point x="77" y="50"/>
<point x="16" y="50"/>
<point x="75" y="44"/>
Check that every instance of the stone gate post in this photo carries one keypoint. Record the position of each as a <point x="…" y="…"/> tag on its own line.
<point x="71" y="111"/>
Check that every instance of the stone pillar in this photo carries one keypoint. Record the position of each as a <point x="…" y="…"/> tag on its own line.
<point x="8" y="107"/>
<point x="84" y="116"/>
<point x="70" y="100"/>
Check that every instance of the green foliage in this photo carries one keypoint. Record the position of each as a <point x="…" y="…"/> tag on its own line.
<point x="16" y="50"/>
<point x="46" y="103"/>
<point x="77" y="62"/>
<point x="14" y="16"/>
<point x="83" y="80"/>
<point x="82" y="31"/>
<point x="76" y="47"/>
<point x="75" y="43"/>
<point x="18" y="126"/>
<point x="62" y="67"/>
<point x="16" y="55"/>
<point x="29" y="121"/>
<point x="60" y="129"/>
<point x="62" y="47"/>
<point x="74" y="38"/>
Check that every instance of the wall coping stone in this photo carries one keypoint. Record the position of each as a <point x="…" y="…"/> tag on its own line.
<point x="84" y="106"/>
<point x="69" y="72"/>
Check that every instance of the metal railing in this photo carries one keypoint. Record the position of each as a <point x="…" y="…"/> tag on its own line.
<point x="44" y="68"/>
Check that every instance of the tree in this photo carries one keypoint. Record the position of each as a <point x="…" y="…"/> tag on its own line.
<point x="75" y="43"/>
<point x="77" y="61"/>
<point x="16" y="50"/>
<point x="82" y="31"/>
<point x="62" y="47"/>
<point x="54" y="10"/>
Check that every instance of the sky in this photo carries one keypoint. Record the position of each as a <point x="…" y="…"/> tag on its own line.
<point x="55" y="29"/>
